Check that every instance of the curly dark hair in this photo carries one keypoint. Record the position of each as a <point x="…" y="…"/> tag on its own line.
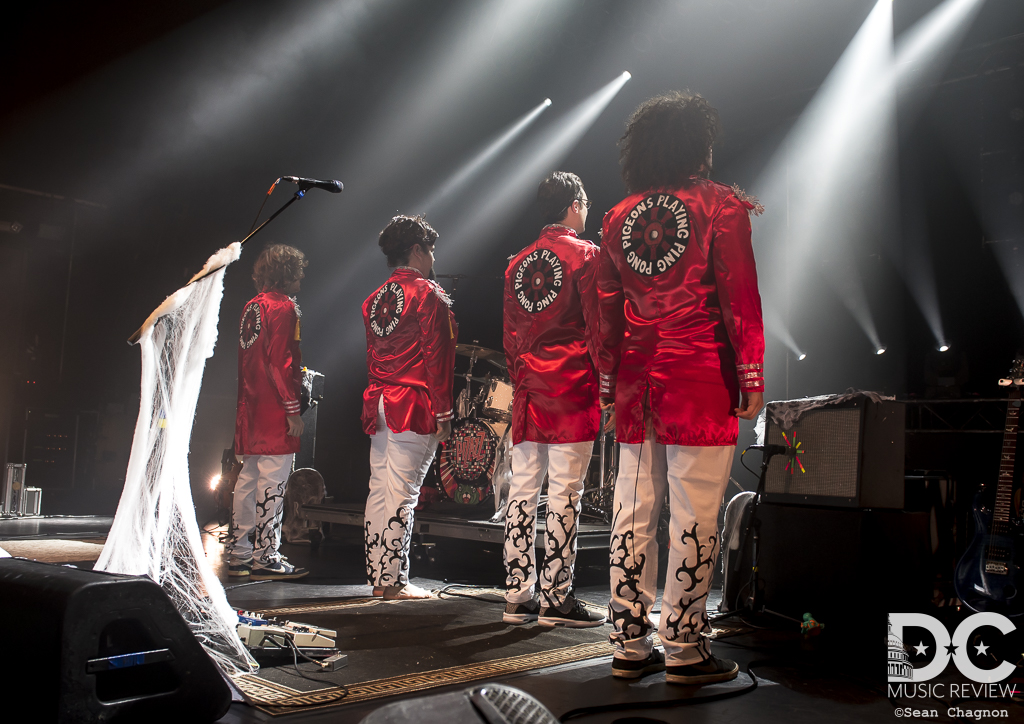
<point x="277" y="266"/>
<point x="555" y="194"/>
<point x="403" y="233"/>
<point x="667" y="140"/>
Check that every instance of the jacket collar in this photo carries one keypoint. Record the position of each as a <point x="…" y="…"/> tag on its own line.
<point x="559" y="230"/>
<point x="409" y="269"/>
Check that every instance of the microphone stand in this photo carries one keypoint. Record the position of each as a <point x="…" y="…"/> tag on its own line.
<point x="298" y="195"/>
<point x="753" y="602"/>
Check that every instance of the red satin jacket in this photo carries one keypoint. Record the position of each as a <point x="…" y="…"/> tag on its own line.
<point x="550" y="338"/>
<point x="681" y="327"/>
<point x="269" y="375"/>
<point x="410" y="354"/>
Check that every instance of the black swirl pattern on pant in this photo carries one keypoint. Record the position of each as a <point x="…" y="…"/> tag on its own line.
<point x="370" y="546"/>
<point x="267" y="531"/>
<point x="633" y="621"/>
<point x="689" y="631"/>
<point x="560" y="553"/>
<point x="394" y="550"/>
<point x="692" y="618"/>
<point x="233" y="529"/>
<point x="518" y="534"/>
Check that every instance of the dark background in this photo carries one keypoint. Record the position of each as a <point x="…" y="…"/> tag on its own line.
<point x="135" y="140"/>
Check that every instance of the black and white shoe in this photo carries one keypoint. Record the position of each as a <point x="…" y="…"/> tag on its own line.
<point x="280" y="570"/>
<point x="710" y="671"/>
<point x="625" y="669"/>
<point x="239" y="566"/>
<point x="571" y="614"/>
<point x="517" y="613"/>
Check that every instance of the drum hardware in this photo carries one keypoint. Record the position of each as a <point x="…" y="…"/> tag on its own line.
<point x="602" y="496"/>
<point x="455" y="282"/>
<point x="475" y="352"/>
<point x="497" y="404"/>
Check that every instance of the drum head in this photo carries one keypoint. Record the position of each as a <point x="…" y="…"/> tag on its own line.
<point x="467" y="461"/>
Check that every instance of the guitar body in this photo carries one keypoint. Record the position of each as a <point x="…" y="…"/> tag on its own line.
<point x="988" y="577"/>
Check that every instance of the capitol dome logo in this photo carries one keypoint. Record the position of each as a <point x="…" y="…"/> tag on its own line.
<point x="899" y="661"/>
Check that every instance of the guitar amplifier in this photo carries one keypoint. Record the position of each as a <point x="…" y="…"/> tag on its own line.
<point x="846" y="455"/>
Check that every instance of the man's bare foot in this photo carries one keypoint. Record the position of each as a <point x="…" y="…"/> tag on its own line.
<point x="408" y="591"/>
<point x="377" y="591"/>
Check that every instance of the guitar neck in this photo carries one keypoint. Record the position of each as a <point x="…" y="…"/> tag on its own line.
<point x="1004" y="489"/>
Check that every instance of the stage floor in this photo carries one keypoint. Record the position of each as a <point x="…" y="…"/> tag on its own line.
<point x="801" y="680"/>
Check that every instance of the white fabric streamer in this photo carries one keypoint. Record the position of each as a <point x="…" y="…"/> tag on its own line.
<point x="155" y="532"/>
<point x="786" y="413"/>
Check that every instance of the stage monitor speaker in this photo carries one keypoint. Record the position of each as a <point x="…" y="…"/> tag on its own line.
<point x="489" y="704"/>
<point x="81" y="646"/>
<point x="834" y="563"/>
<point x="846" y="455"/>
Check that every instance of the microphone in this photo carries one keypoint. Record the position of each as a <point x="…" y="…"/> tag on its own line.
<point x="769" y="450"/>
<point x="334" y="186"/>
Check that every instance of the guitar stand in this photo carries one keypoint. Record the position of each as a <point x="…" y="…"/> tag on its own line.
<point x="753" y="604"/>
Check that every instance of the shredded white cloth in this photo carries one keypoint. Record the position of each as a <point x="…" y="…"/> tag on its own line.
<point x="155" y="532"/>
<point x="786" y="413"/>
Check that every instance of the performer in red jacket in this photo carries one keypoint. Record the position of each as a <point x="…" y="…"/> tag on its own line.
<point x="550" y="315"/>
<point x="407" y="406"/>
<point x="681" y="344"/>
<point x="267" y="423"/>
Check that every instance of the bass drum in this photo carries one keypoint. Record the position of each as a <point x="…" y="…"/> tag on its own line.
<point x="472" y="458"/>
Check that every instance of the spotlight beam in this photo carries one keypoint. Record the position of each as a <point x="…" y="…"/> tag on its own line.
<point x="208" y="104"/>
<point x="825" y="175"/>
<point x="774" y="325"/>
<point x="471" y="168"/>
<point x="506" y="198"/>
<point x="924" y="50"/>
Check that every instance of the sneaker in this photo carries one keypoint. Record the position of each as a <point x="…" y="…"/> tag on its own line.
<point x="280" y="570"/>
<point x="706" y="672"/>
<point x="625" y="669"/>
<point x="239" y="566"/>
<point x="517" y="613"/>
<point x="572" y="614"/>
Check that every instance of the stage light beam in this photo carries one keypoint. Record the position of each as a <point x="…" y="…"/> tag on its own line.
<point x="471" y="168"/>
<point x="511" y="191"/>
<point x="826" y="174"/>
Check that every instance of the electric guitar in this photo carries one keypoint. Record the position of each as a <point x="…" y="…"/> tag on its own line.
<point x="988" y="576"/>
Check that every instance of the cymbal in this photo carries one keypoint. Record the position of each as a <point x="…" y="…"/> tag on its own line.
<point x="482" y="353"/>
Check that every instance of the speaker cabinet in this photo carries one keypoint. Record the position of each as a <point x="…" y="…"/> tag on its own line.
<point x="81" y="646"/>
<point x="835" y="563"/>
<point x="848" y="455"/>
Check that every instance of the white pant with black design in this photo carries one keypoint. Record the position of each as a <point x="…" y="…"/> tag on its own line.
<point x="398" y="463"/>
<point x="256" y="508"/>
<point x="565" y="465"/>
<point x="694" y="478"/>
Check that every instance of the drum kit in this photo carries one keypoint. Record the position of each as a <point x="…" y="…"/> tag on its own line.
<point x="475" y="462"/>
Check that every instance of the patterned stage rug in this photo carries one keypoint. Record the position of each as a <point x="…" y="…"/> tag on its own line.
<point x="403" y="647"/>
<point x="54" y="550"/>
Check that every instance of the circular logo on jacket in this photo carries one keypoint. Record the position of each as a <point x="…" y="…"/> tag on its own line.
<point x="537" y="280"/>
<point x="655" y="234"/>
<point x="386" y="310"/>
<point x="252" y="323"/>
